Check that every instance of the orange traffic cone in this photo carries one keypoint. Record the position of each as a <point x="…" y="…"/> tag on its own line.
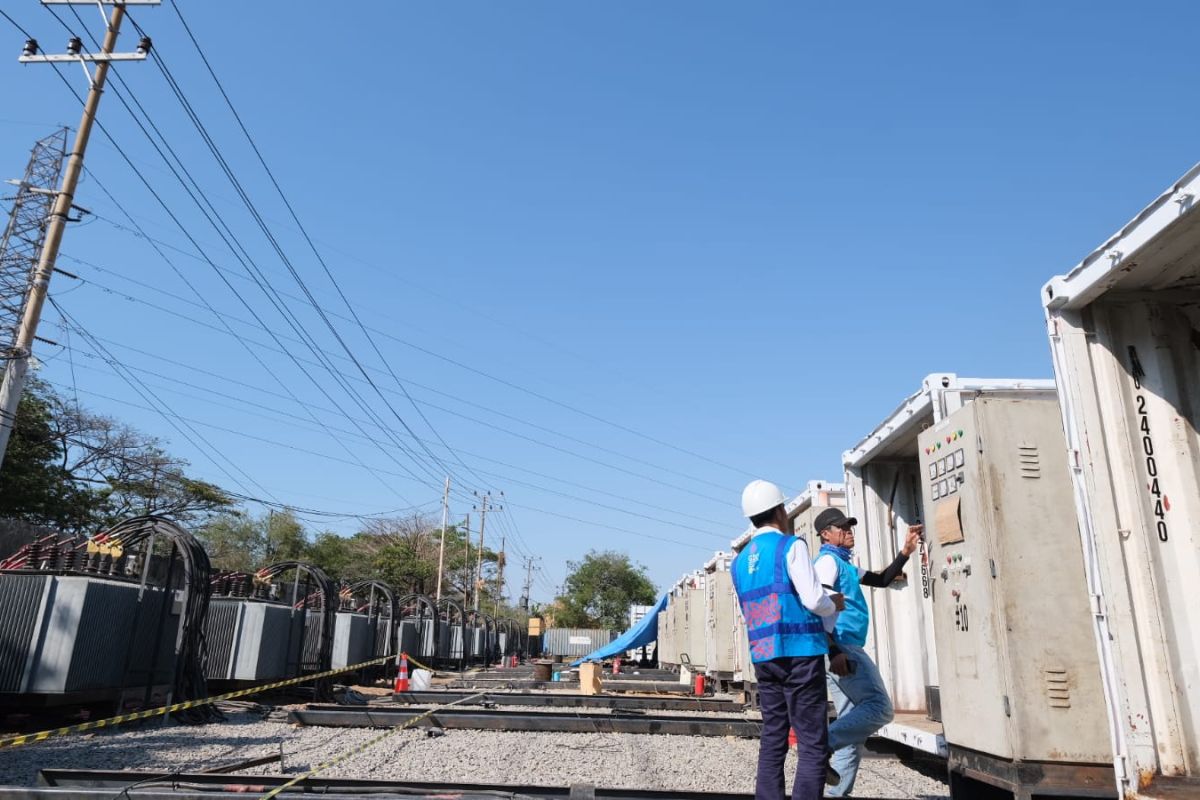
<point x="791" y="737"/>
<point x="402" y="674"/>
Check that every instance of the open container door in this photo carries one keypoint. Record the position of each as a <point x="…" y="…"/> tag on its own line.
<point x="1124" y="330"/>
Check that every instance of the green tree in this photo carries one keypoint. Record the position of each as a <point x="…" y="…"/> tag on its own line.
<point x="599" y="590"/>
<point x="244" y="544"/>
<point x="35" y="486"/>
<point x="71" y="469"/>
<point x="340" y="556"/>
<point x="234" y="542"/>
<point x="284" y="538"/>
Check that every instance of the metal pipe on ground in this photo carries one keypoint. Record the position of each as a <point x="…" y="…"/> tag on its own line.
<point x="651" y="687"/>
<point x="105" y="784"/>
<point x="547" y="721"/>
<point x="575" y="701"/>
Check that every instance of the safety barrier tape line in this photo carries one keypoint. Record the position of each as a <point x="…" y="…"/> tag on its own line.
<point x="365" y="745"/>
<point x="41" y="736"/>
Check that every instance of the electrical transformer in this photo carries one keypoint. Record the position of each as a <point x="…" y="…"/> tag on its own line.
<point x="66" y="634"/>
<point x="1020" y="680"/>
<point x="276" y="623"/>
<point x="252" y="640"/>
<point x="352" y="639"/>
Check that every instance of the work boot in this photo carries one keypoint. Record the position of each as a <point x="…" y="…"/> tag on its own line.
<point x="832" y="778"/>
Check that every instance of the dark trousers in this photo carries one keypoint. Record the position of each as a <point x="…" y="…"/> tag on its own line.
<point x="791" y="692"/>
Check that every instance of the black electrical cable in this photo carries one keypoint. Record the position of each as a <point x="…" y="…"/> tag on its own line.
<point x="296" y="218"/>
<point x="362" y="432"/>
<point x="425" y="387"/>
<point x="499" y="476"/>
<point x="157" y="404"/>
<point x="253" y="354"/>
<point x="215" y="151"/>
<point x="225" y="233"/>
<point x="190" y="682"/>
<point x="295" y="421"/>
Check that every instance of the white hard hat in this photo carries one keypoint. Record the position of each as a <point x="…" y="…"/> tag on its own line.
<point x="760" y="496"/>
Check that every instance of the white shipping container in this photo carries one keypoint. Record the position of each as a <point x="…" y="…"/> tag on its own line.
<point x="667" y="655"/>
<point x="1124" y="330"/>
<point x="697" y="629"/>
<point x="722" y="616"/>
<point x="883" y="491"/>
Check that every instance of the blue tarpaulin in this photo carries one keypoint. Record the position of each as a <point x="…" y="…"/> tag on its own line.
<point x="645" y="632"/>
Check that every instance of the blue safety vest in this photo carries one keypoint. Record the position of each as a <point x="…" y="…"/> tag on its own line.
<point x="777" y="624"/>
<point x="854" y="619"/>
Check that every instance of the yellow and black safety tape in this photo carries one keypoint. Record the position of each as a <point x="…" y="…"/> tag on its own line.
<point x="120" y="719"/>
<point x="366" y="745"/>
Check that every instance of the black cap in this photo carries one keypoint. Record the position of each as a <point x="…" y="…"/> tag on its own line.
<point x="832" y="516"/>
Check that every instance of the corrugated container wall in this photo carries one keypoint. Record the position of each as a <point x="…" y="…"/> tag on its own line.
<point x="575" y="642"/>
<point x="883" y="491"/>
<point x="1124" y="331"/>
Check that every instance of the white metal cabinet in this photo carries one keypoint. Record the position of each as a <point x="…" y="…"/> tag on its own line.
<point x="883" y="490"/>
<point x="1020" y="682"/>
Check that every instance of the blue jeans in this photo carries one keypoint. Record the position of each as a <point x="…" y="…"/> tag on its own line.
<point x="791" y="695"/>
<point x="863" y="707"/>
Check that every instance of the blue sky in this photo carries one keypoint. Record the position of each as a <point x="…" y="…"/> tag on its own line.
<point x="734" y="235"/>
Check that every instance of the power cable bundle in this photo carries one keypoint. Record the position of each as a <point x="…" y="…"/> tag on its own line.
<point x="191" y="657"/>
<point x="327" y="592"/>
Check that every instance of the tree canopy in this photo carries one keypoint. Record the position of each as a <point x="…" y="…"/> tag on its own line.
<point x="600" y="589"/>
<point x="73" y="470"/>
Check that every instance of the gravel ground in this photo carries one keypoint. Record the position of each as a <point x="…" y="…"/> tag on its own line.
<point x="648" y="762"/>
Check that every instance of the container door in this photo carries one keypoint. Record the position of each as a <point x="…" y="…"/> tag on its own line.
<point x="1128" y="368"/>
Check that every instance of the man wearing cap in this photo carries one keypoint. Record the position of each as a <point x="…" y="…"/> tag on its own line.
<point x="783" y="605"/>
<point x="858" y="693"/>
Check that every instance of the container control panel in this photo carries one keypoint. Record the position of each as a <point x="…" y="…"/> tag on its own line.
<point x="1010" y="610"/>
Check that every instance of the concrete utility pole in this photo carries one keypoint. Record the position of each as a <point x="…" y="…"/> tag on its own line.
<point x="442" y="548"/>
<point x="500" y="559"/>
<point x="529" y="563"/>
<point x="18" y="364"/>
<point x="485" y="505"/>
<point x="467" y="560"/>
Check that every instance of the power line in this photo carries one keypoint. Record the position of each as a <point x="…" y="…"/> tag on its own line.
<point x="215" y="151"/>
<point x="332" y="431"/>
<point x="276" y="414"/>
<point x="296" y="448"/>
<point x="295" y="218"/>
<point x="158" y="405"/>
<point x="458" y="398"/>
<point x="246" y="263"/>
<point x="157" y="57"/>
<point x="246" y="341"/>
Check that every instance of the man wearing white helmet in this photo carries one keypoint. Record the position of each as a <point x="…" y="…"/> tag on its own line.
<point x="782" y="603"/>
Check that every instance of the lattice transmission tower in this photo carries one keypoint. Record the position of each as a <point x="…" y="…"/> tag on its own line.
<point x="21" y="244"/>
